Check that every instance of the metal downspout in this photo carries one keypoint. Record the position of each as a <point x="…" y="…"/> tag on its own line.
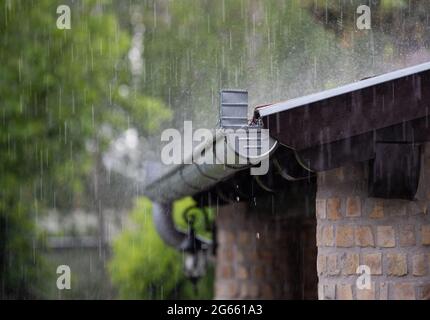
<point x="163" y="220"/>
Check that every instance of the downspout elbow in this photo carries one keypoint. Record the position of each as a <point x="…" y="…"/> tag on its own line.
<point x="163" y="220"/>
<point x="166" y="229"/>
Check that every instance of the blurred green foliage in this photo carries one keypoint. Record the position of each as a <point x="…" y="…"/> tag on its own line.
<point x="58" y="89"/>
<point x="144" y="267"/>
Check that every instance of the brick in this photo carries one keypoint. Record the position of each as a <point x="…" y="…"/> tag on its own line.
<point x="407" y="235"/>
<point x="225" y="237"/>
<point x="264" y="255"/>
<point x="404" y="291"/>
<point x="344" y="292"/>
<point x="383" y="291"/>
<point x="396" y="264"/>
<point x="330" y="177"/>
<point x="254" y="254"/>
<point x="321" y="264"/>
<point x="320" y="292"/>
<point x="321" y="206"/>
<point x="354" y="172"/>
<point x="353" y="207"/>
<point x="249" y="290"/>
<point x="327" y="292"/>
<point x="319" y="236"/>
<point x="340" y="174"/>
<point x="232" y="289"/>
<point x="396" y="207"/>
<point x="374" y="262"/>
<point x="267" y="292"/>
<point x="327" y="237"/>
<point x="332" y="266"/>
<point x="377" y="210"/>
<point x="425" y="292"/>
<point x="242" y="272"/>
<point x="385" y="236"/>
<point x="333" y="209"/>
<point x="226" y="289"/>
<point x="259" y="272"/>
<point x="425" y="235"/>
<point x="344" y="236"/>
<point x="220" y="289"/>
<point x="244" y="237"/>
<point x="225" y="271"/>
<point x="349" y="263"/>
<point x="226" y="254"/>
<point x="417" y="207"/>
<point x="366" y="294"/>
<point x="364" y="236"/>
<point x="239" y="256"/>
<point x="423" y="207"/>
<point x="419" y="265"/>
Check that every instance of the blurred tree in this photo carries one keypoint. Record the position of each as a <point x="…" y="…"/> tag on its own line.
<point x="60" y="91"/>
<point x="399" y="28"/>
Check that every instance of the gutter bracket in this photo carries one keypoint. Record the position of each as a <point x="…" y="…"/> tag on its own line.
<point x="394" y="172"/>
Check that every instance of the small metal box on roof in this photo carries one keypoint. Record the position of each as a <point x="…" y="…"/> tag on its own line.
<point x="233" y="108"/>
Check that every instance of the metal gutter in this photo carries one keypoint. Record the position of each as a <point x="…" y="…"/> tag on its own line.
<point x="235" y="146"/>
<point x="188" y="179"/>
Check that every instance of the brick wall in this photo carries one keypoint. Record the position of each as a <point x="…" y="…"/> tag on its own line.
<point x="264" y="255"/>
<point x="392" y="237"/>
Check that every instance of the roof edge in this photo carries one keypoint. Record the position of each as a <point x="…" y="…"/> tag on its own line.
<point x="323" y="95"/>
